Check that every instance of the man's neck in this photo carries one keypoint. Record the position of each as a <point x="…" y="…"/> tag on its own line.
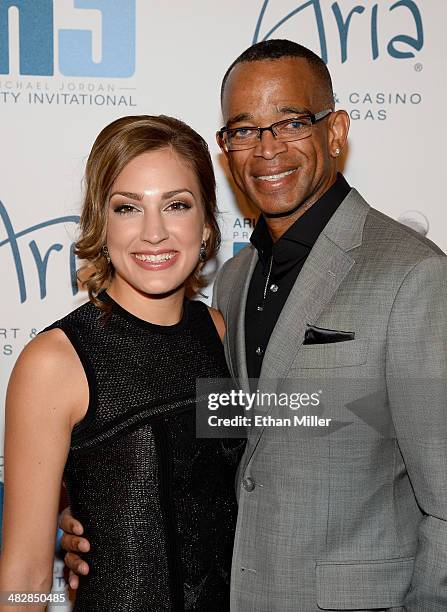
<point x="279" y="226"/>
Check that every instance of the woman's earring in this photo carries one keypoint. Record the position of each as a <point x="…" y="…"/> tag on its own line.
<point x="202" y="253"/>
<point x="105" y="252"/>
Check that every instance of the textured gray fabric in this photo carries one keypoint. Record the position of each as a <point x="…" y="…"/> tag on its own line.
<point x="355" y="519"/>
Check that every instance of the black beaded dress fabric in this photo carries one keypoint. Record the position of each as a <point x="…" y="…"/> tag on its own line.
<point x="157" y="504"/>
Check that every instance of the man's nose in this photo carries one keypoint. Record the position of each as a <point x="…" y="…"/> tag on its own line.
<point x="268" y="146"/>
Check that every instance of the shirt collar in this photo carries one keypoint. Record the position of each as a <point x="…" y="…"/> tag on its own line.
<point x="306" y="229"/>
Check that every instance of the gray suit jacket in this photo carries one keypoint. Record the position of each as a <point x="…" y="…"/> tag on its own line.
<point x="352" y="517"/>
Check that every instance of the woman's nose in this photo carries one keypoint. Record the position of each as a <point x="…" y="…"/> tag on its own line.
<point x="153" y="227"/>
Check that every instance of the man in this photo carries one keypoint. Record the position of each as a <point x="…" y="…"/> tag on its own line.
<point x="352" y="518"/>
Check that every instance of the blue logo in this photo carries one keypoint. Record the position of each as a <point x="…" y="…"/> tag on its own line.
<point x="238" y="246"/>
<point x="242" y="229"/>
<point x="37" y="36"/>
<point x="401" y="46"/>
<point x="41" y="260"/>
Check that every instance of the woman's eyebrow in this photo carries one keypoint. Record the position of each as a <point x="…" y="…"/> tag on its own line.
<point x="174" y="192"/>
<point x="140" y="196"/>
<point x="128" y="194"/>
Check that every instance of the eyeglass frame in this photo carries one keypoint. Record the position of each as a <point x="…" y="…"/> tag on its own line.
<point x="314" y="118"/>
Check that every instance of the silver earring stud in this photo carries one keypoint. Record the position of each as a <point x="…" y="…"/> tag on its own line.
<point x="202" y="252"/>
<point x="337" y="151"/>
<point x="105" y="253"/>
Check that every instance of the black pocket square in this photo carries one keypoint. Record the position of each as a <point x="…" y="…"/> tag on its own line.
<point x="319" y="335"/>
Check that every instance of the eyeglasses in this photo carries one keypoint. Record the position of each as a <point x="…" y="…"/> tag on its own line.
<point x="288" y="130"/>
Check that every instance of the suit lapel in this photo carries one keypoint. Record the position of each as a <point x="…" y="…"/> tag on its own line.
<point x="322" y="273"/>
<point x="236" y="320"/>
<point x="326" y="267"/>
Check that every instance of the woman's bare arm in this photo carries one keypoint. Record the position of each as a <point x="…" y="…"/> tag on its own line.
<point x="47" y="394"/>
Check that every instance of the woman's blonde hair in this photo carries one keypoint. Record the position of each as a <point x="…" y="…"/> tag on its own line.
<point x="116" y="145"/>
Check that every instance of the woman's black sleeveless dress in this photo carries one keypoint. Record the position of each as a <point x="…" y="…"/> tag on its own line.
<point x="157" y="504"/>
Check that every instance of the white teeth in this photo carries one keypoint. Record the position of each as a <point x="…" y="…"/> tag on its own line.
<point x="154" y="258"/>
<point x="275" y="177"/>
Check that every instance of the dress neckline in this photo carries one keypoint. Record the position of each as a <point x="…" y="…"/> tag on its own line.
<point x="128" y="316"/>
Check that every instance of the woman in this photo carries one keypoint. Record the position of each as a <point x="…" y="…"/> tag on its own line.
<point x="105" y="397"/>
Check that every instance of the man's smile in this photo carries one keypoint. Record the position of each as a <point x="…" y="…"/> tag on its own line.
<point x="274" y="177"/>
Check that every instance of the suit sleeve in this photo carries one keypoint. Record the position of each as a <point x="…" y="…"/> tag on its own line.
<point x="219" y="296"/>
<point x="215" y="300"/>
<point x="416" y="373"/>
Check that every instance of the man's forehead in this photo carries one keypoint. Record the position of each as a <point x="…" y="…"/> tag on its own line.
<point x="273" y="86"/>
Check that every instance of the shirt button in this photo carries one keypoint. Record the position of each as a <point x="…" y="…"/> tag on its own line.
<point x="274" y="288"/>
<point x="248" y="484"/>
<point x="259" y="350"/>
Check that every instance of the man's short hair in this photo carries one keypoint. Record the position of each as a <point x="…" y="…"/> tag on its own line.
<point x="276" y="49"/>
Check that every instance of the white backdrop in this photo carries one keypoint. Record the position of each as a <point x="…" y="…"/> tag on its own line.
<point x="69" y="67"/>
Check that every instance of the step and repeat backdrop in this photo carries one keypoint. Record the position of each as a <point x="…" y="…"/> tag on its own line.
<point x="69" y="67"/>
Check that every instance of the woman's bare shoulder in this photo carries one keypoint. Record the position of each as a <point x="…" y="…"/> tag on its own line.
<point x="49" y="366"/>
<point x="49" y="351"/>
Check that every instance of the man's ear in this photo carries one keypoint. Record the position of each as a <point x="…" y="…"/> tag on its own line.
<point x="338" y="124"/>
<point x="221" y="145"/>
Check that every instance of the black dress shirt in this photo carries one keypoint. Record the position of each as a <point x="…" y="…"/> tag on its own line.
<point x="284" y="259"/>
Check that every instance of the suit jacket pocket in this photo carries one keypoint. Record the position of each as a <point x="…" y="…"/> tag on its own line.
<point x="332" y="355"/>
<point x="363" y="585"/>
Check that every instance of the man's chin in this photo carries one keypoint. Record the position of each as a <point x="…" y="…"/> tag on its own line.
<point x="278" y="212"/>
